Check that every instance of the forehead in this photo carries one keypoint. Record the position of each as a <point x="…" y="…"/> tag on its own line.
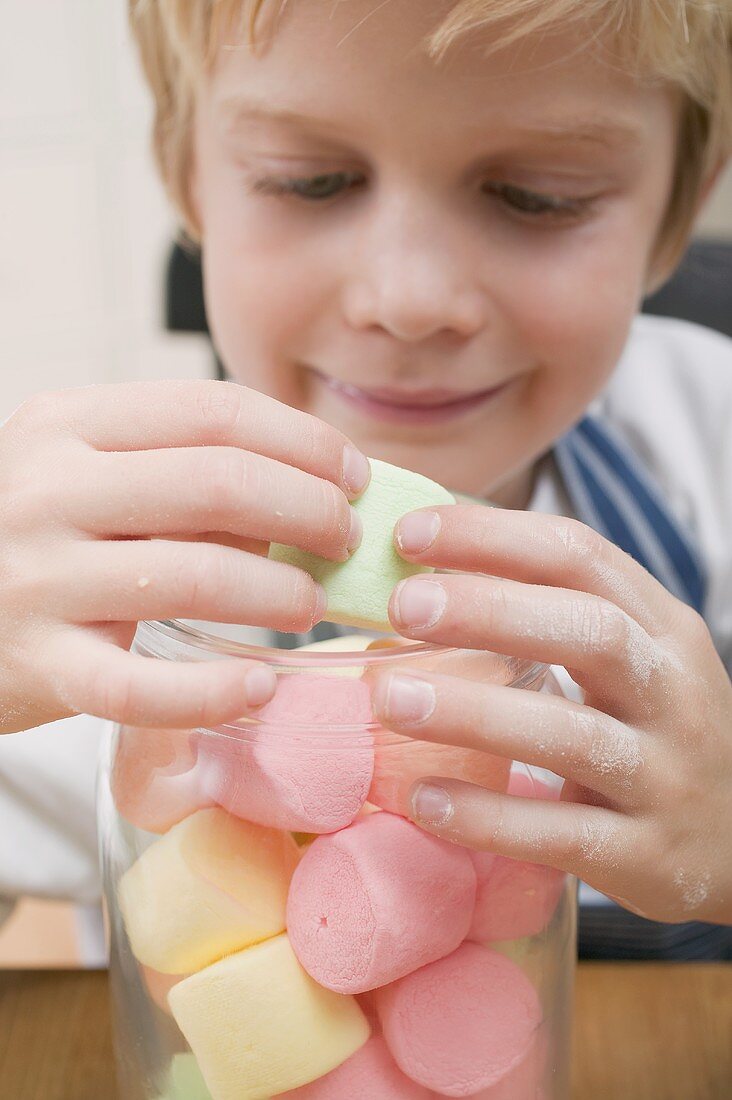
<point x="360" y="65"/>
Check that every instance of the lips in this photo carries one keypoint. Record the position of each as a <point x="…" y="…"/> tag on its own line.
<point x="425" y="406"/>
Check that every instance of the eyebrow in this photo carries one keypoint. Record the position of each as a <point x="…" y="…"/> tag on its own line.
<point x="609" y="133"/>
<point x="235" y="110"/>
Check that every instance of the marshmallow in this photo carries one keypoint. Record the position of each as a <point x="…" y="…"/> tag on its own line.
<point x="368" y="1007"/>
<point x="343" y="643"/>
<point x="212" y="885"/>
<point x="348" y="643"/>
<point x="524" y="1081"/>
<point x="461" y="1024"/>
<point x="525" y="783"/>
<point x="304" y="840"/>
<point x="185" y="1081"/>
<point x="306" y="765"/>
<point x="515" y="898"/>
<point x="376" y="901"/>
<point x="370" y="1074"/>
<point x="159" y="985"/>
<point x="155" y="783"/>
<point x="399" y="761"/>
<point x="359" y="589"/>
<point x="259" y="1025"/>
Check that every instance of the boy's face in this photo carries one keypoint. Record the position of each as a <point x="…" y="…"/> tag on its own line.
<point x="441" y="260"/>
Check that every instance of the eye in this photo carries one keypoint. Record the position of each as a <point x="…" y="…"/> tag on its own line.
<point x="534" y="205"/>
<point x="313" y="188"/>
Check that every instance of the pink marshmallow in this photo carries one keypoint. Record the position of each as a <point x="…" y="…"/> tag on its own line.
<point x="155" y="782"/>
<point x="305" y="765"/>
<point x="399" y="761"/>
<point x="462" y="1024"/>
<point x="524" y="1081"/>
<point x="523" y="783"/>
<point x="368" y="1007"/>
<point x="515" y="898"/>
<point x="376" y="901"/>
<point x="369" y="1074"/>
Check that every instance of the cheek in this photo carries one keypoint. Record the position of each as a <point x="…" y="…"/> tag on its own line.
<point x="260" y="302"/>
<point x="572" y="305"/>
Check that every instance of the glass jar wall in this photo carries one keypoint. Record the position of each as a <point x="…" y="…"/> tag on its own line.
<point x="279" y="928"/>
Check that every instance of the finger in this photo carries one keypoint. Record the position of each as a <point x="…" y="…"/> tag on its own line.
<point x="192" y="489"/>
<point x="574" y="741"/>
<point x="536" y="549"/>
<point x="91" y="676"/>
<point x="130" y="581"/>
<point x="583" y="840"/>
<point x="146" y="415"/>
<point x="224" y="538"/>
<point x="604" y="649"/>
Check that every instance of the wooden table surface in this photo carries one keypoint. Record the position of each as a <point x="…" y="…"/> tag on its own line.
<point x="643" y="1031"/>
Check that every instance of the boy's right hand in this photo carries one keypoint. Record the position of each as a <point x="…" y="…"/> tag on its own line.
<point x="156" y="500"/>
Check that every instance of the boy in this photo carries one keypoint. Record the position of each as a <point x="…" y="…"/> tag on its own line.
<point x="426" y="228"/>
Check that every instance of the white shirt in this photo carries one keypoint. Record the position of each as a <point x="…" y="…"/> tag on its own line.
<point x="670" y="397"/>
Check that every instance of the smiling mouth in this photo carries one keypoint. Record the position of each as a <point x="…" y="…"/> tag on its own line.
<point x="427" y="406"/>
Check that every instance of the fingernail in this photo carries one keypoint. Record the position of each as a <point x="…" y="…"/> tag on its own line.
<point x="431" y="805"/>
<point x="321" y="604"/>
<point x="355" y="534"/>
<point x="261" y="684"/>
<point x="417" y="531"/>
<point x="356" y="470"/>
<point x="409" y="699"/>
<point x="419" y="603"/>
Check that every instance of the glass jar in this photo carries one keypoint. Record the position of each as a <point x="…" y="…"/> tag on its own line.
<point x="278" y="928"/>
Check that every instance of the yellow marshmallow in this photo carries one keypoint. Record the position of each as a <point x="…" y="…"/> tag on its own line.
<point x="212" y="885"/>
<point x="259" y="1025"/>
<point x="348" y="643"/>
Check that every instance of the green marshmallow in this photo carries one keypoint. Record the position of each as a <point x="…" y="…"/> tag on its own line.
<point x="359" y="589"/>
<point x="185" y="1081"/>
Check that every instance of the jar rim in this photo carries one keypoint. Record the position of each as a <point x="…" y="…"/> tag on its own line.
<point x="522" y="670"/>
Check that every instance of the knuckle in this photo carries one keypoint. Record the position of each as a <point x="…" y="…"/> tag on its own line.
<point x="693" y="627"/>
<point x="489" y="606"/>
<point x="113" y="694"/>
<point x="194" y="574"/>
<point x="578" y="541"/>
<point x="493" y="825"/>
<point x="320" y="435"/>
<point x="611" y="751"/>
<point x="605" y="628"/>
<point x="225" y="474"/>
<point x="590" y="844"/>
<point x="321" y="447"/>
<point x="219" y="407"/>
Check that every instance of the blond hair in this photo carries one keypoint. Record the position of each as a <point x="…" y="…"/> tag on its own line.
<point x="687" y="43"/>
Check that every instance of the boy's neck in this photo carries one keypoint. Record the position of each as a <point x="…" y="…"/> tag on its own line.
<point x="517" y="491"/>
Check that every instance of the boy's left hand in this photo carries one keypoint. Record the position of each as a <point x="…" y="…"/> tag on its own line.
<point x="646" y="810"/>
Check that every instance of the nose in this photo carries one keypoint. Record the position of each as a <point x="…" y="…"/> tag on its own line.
<point x="414" y="277"/>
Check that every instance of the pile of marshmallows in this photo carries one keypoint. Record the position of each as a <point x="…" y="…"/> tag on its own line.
<point x="309" y="940"/>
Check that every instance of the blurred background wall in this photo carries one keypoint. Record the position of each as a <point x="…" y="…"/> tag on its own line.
<point x="84" y="232"/>
<point x="83" y="222"/>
